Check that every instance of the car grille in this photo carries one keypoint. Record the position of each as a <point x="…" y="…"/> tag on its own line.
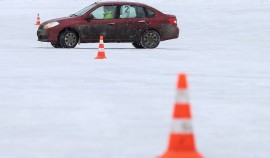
<point x="42" y="37"/>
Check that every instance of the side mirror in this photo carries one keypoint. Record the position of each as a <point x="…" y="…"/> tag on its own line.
<point x="89" y="17"/>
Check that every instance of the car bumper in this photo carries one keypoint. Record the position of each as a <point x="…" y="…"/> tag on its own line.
<point x="169" y="32"/>
<point x="42" y="35"/>
<point x="46" y="35"/>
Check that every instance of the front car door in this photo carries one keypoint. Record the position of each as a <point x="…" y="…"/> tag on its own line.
<point x="102" y="24"/>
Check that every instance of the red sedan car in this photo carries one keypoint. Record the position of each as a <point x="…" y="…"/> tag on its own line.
<point x="136" y="23"/>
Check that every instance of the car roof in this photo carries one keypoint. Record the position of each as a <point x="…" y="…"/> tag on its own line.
<point x="126" y="3"/>
<point x="119" y="3"/>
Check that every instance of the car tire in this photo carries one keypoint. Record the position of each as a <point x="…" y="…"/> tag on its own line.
<point x="68" y="39"/>
<point x="150" y="39"/>
<point x="56" y="45"/>
<point x="137" y="45"/>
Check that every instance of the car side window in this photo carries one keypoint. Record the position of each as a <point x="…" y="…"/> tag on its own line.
<point x="104" y="12"/>
<point x="140" y="12"/>
<point x="127" y="11"/>
<point x="150" y="13"/>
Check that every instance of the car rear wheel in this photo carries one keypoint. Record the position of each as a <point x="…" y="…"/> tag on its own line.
<point x="56" y="45"/>
<point x="137" y="45"/>
<point x="150" y="39"/>
<point x="68" y="39"/>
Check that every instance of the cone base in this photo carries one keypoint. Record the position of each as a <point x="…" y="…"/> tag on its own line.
<point x="100" y="57"/>
<point x="173" y="154"/>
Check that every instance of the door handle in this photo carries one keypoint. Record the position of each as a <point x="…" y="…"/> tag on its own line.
<point x="141" y="21"/>
<point x="111" y="23"/>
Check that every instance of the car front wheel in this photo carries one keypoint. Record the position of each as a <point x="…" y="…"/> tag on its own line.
<point x="68" y="39"/>
<point x="150" y="39"/>
<point x="137" y="45"/>
<point x="56" y="45"/>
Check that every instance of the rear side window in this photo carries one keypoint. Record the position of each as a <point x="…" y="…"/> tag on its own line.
<point x="140" y="12"/>
<point x="150" y="13"/>
<point x="127" y="11"/>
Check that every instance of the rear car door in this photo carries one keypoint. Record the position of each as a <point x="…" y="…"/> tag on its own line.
<point x="132" y="22"/>
<point x="103" y="24"/>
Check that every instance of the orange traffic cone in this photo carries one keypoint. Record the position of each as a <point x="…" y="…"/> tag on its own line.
<point x="38" y="20"/>
<point x="101" y="52"/>
<point x="181" y="143"/>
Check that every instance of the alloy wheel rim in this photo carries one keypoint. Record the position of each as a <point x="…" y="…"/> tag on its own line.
<point x="150" y="39"/>
<point x="70" y="39"/>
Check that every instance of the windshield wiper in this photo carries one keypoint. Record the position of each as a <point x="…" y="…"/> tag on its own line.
<point x="73" y="15"/>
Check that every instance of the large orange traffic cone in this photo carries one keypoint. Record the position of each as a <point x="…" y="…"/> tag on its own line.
<point x="181" y="143"/>
<point x="38" y="20"/>
<point x="101" y="52"/>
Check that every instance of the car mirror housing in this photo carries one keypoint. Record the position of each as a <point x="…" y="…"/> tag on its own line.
<point x="89" y="17"/>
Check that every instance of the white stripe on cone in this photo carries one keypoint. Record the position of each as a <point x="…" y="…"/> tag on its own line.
<point x="100" y="49"/>
<point x="182" y="97"/>
<point x="181" y="126"/>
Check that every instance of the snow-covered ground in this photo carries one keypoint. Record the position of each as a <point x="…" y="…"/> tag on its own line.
<point x="61" y="103"/>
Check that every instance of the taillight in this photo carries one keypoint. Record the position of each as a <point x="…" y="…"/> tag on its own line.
<point x="173" y="21"/>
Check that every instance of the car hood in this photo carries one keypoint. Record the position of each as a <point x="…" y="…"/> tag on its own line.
<point x="63" y="19"/>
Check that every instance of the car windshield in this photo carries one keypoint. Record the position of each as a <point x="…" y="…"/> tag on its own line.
<point x="84" y="10"/>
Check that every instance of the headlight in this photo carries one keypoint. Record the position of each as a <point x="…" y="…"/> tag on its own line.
<point x="50" y="25"/>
